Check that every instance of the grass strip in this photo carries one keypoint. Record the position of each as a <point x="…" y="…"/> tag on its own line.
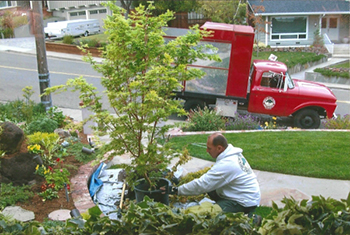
<point x="304" y="153"/>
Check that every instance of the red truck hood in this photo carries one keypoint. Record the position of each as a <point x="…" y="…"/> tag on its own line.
<point x="314" y="90"/>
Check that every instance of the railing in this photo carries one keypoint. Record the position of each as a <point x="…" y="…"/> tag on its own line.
<point x="328" y="43"/>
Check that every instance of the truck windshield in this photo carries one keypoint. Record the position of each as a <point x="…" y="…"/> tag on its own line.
<point x="289" y="81"/>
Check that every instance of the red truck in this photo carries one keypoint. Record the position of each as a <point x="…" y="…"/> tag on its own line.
<point x="261" y="87"/>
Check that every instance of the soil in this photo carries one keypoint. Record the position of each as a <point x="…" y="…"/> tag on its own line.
<point x="42" y="208"/>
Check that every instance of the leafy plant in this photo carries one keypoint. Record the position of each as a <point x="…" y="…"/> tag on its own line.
<point x="49" y="194"/>
<point x="318" y="216"/>
<point x="10" y="194"/>
<point x="36" y="149"/>
<point x="140" y="72"/>
<point x="44" y="124"/>
<point x="49" y="143"/>
<point x="338" y="123"/>
<point x="204" y="120"/>
<point x="68" y="39"/>
<point x="55" y="114"/>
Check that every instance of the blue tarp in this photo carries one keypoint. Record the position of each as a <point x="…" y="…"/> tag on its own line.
<point x="95" y="182"/>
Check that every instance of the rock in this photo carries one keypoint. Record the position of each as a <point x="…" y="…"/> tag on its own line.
<point x="62" y="133"/>
<point x="11" y="137"/>
<point x="18" y="169"/>
<point x="61" y="215"/>
<point x="18" y="213"/>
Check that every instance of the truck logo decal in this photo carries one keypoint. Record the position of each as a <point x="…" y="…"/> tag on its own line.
<point x="269" y="102"/>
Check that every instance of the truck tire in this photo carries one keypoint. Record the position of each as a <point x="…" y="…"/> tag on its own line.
<point x="307" y="119"/>
<point x="193" y="105"/>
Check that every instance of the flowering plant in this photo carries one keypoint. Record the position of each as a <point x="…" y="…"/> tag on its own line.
<point x="42" y="170"/>
<point x="35" y="148"/>
<point x="58" y="177"/>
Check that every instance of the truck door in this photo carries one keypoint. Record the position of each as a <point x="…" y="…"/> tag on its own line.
<point x="268" y="97"/>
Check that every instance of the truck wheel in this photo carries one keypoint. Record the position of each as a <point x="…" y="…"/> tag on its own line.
<point x="86" y="34"/>
<point x="193" y="105"/>
<point x="307" y="119"/>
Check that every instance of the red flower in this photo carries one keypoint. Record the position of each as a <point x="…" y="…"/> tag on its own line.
<point x="68" y="186"/>
<point x="43" y="187"/>
<point x="50" y="168"/>
<point x="58" y="159"/>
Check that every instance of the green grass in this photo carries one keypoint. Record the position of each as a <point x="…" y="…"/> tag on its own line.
<point x="289" y="58"/>
<point x="335" y="70"/>
<point x="303" y="153"/>
<point x="345" y="64"/>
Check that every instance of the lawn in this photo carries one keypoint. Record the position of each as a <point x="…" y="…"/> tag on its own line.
<point x="304" y="153"/>
<point x="336" y="70"/>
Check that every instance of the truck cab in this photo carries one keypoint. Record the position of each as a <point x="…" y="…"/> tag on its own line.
<point x="274" y="92"/>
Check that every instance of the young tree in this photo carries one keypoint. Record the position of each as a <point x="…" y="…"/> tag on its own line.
<point x="224" y="11"/>
<point x="139" y="74"/>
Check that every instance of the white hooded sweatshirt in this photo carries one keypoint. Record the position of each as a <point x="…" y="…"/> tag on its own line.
<point x="232" y="178"/>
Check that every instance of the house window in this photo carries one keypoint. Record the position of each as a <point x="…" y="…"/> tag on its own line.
<point x="289" y="28"/>
<point x="102" y="11"/>
<point x="94" y="12"/>
<point x="81" y="13"/>
<point x="5" y="4"/>
<point x="73" y="13"/>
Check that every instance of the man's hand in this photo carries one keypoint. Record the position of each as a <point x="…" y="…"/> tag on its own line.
<point x="172" y="190"/>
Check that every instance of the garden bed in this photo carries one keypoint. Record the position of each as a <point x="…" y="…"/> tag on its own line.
<point x="42" y="208"/>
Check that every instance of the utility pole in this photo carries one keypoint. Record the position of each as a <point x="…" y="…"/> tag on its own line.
<point x="38" y="31"/>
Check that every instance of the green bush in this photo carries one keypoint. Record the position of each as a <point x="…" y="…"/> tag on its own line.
<point x="89" y="42"/>
<point x="42" y="125"/>
<point x="55" y="114"/>
<point x="204" y="120"/>
<point x="21" y="111"/>
<point x="338" y="123"/>
<point x="68" y="39"/>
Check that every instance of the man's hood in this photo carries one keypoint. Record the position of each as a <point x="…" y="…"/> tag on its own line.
<point x="230" y="150"/>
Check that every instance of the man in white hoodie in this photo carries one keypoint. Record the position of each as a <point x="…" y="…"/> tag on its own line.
<point x="230" y="181"/>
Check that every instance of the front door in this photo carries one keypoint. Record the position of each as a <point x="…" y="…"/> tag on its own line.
<point x="330" y="26"/>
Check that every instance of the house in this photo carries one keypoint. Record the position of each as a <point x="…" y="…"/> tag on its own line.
<point x="295" y="22"/>
<point x="73" y="10"/>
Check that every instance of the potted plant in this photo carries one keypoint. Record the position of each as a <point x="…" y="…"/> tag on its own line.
<point x="140" y="71"/>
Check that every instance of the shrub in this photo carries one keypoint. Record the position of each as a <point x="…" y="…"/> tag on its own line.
<point x="204" y="120"/>
<point x="338" y="123"/>
<point x="57" y="116"/>
<point x="89" y="42"/>
<point x="42" y="125"/>
<point x="68" y="39"/>
<point x="22" y="110"/>
<point x="242" y="122"/>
